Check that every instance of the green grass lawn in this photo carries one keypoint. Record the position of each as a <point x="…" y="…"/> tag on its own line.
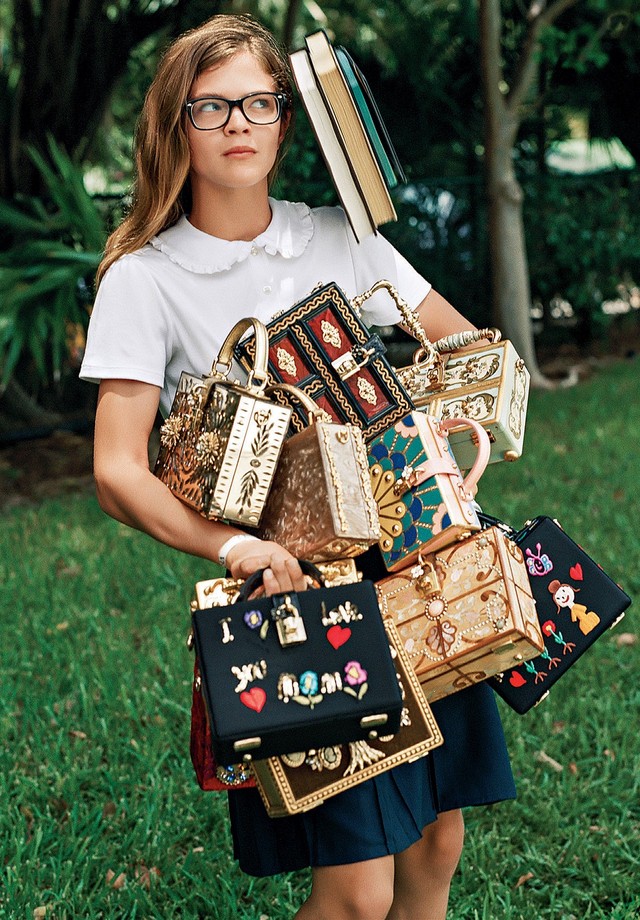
<point x="101" y="816"/>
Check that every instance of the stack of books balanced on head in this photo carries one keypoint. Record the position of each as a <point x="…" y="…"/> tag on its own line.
<point x="350" y="131"/>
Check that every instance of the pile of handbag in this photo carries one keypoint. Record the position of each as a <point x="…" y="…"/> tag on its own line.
<point x="329" y="450"/>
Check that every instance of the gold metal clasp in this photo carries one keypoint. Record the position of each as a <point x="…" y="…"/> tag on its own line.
<point x="425" y="579"/>
<point x="347" y="365"/>
<point x="406" y="481"/>
<point x="289" y="623"/>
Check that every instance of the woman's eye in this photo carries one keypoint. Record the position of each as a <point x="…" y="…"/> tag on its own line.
<point x="210" y="105"/>
<point x="260" y="103"/>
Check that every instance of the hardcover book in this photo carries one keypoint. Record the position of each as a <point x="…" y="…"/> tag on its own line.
<point x="331" y="147"/>
<point x="350" y="132"/>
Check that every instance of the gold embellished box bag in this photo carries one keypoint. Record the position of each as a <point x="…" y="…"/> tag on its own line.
<point x="221" y="442"/>
<point x="321" y="505"/>
<point x="296" y="670"/>
<point x="322" y="346"/>
<point x="488" y="383"/>
<point x="302" y="780"/>
<point x="464" y="613"/>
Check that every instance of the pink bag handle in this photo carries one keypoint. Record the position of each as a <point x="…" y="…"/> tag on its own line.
<point x="446" y="465"/>
<point x="484" y="449"/>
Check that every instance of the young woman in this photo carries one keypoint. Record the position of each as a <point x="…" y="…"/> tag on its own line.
<point x="204" y="245"/>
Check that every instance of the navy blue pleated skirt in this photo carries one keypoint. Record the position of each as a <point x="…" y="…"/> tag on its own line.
<point x="388" y="813"/>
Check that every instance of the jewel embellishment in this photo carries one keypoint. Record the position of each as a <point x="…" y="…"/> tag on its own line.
<point x="517" y="680"/>
<point x="575" y="572"/>
<point x="436" y="606"/>
<point x="538" y="564"/>
<point x="367" y="391"/>
<point x="343" y="613"/>
<point x="309" y="683"/>
<point x="208" y="451"/>
<point x="441" y="637"/>
<point x="248" y="673"/>
<point x="171" y="432"/>
<point x="356" y="678"/>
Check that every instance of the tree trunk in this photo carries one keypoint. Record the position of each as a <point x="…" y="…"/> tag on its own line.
<point x="503" y="114"/>
<point x="509" y="265"/>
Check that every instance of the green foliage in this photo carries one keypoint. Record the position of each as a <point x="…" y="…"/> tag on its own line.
<point x="95" y="777"/>
<point x="582" y="240"/>
<point x="55" y="248"/>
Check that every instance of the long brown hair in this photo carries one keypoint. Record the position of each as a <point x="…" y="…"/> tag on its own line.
<point x="161" y="191"/>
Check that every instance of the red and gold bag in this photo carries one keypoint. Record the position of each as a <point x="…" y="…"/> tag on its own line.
<point x="322" y="346"/>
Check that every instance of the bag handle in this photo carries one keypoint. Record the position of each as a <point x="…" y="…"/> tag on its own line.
<point x="314" y="412"/>
<point x="410" y="317"/>
<point x="255" y="581"/>
<point x="259" y="374"/>
<point x="484" y="449"/>
<point x="412" y="477"/>
<point x="468" y="337"/>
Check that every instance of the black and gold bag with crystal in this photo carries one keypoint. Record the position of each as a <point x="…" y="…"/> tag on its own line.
<point x="220" y="444"/>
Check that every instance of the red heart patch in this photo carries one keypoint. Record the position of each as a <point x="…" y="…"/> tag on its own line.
<point x="338" y="635"/>
<point x="575" y="572"/>
<point x="517" y="680"/>
<point x="254" y="698"/>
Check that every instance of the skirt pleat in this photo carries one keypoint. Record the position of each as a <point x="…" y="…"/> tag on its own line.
<point x="388" y="813"/>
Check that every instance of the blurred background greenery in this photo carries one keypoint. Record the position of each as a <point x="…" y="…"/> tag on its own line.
<point x="72" y="79"/>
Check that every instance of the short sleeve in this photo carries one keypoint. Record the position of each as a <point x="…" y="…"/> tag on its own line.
<point x="129" y="333"/>
<point x="375" y="259"/>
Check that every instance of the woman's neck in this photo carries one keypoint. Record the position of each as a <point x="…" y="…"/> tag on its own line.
<point x="231" y="214"/>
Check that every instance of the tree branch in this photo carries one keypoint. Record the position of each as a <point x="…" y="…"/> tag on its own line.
<point x="490" y="21"/>
<point x="539" y="16"/>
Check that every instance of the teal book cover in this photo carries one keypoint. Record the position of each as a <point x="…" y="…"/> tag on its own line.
<point x="371" y="119"/>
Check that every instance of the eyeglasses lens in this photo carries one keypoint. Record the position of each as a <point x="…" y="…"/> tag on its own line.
<point x="213" y="112"/>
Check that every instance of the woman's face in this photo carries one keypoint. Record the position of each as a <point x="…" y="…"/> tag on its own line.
<point x="240" y="155"/>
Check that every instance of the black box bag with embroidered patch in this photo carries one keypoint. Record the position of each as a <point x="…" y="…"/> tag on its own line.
<point x="576" y="603"/>
<point x="296" y="670"/>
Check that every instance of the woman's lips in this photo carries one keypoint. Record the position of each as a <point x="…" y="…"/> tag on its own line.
<point x="240" y="151"/>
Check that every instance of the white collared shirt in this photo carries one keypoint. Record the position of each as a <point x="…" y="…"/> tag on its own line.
<point x="168" y="307"/>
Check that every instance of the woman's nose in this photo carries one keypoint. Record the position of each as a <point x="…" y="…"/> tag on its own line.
<point x="237" y="120"/>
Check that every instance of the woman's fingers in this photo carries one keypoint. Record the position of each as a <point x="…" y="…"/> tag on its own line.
<point x="282" y="570"/>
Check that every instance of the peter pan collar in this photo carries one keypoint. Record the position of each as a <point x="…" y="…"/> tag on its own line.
<point x="287" y="235"/>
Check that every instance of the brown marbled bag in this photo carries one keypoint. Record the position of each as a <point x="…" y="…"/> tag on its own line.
<point x="321" y="504"/>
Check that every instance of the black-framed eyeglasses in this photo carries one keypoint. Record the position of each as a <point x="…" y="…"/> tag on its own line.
<point x="207" y="113"/>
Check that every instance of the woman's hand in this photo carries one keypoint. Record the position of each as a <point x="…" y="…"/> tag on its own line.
<point x="282" y="570"/>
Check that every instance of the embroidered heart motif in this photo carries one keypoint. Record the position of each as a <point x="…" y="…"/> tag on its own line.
<point x="575" y="572"/>
<point x="517" y="680"/>
<point x="254" y="698"/>
<point x="338" y="635"/>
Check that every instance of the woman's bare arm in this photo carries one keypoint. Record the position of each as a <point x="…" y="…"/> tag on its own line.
<point x="440" y="318"/>
<point x="128" y="491"/>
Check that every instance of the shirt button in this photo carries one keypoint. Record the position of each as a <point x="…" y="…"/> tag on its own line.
<point x="267" y="289"/>
<point x="254" y="250"/>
